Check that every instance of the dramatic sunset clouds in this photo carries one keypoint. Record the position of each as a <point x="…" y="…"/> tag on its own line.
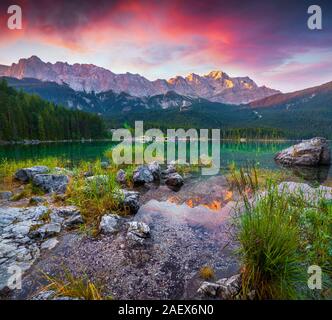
<point x="266" y="40"/>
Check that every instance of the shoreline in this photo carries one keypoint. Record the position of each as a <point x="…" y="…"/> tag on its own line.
<point x="38" y="142"/>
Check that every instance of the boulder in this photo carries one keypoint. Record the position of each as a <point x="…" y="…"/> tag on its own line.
<point x="138" y="231"/>
<point x="26" y="174"/>
<point x="131" y="200"/>
<point x="51" y="182"/>
<point x="154" y="168"/>
<point x="109" y="224"/>
<point x="142" y="175"/>
<point x="313" y="152"/>
<point x="121" y="176"/>
<point x="174" y="180"/>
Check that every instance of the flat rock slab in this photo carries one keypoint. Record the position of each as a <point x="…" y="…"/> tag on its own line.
<point x="164" y="266"/>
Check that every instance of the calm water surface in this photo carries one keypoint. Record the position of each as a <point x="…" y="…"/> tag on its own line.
<point x="239" y="152"/>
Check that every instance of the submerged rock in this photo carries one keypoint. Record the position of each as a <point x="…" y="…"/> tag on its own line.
<point x="26" y="174"/>
<point x="309" y="193"/>
<point x="51" y="182"/>
<point x="138" y="231"/>
<point x="142" y="175"/>
<point x="313" y="152"/>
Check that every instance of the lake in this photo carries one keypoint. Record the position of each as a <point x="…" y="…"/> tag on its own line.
<point x="240" y="153"/>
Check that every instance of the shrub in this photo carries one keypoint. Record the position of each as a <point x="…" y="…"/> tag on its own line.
<point x="280" y="235"/>
<point x="206" y="273"/>
<point x="75" y="287"/>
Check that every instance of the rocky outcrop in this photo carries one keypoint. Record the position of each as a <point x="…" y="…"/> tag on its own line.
<point x="51" y="182"/>
<point x="46" y="231"/>
<point x="27" y="174"/>
<point x="226" y="288"/>
<point x="26" y="231"/>
<point x="313" y="152"/>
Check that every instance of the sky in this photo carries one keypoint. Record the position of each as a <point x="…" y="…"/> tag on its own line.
<point x="266" y="40"/>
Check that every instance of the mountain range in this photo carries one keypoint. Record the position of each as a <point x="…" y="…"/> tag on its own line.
<point x="215" y="86"/>
<point x="300" y="114"/>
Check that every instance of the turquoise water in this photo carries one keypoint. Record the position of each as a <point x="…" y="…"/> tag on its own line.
<point x="239" y="152"/>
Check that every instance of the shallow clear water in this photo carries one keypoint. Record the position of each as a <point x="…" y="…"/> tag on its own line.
<point x="240" y="153"/>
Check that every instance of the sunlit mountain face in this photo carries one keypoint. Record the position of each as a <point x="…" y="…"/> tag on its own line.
<point x="186" y="43"/>
<point x="216" y="86"/>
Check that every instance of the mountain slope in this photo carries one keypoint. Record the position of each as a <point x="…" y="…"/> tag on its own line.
<point x="296" y="115"/>
<point x="216" y="85"/>
<point x="289" y="99"/>
<point x="24" y="116"/>
<point x="104" y="102"/>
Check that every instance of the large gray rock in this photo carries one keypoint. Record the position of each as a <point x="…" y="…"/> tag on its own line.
<point x="130" y="200"/>
<point x="26" y="174"/>
<point x="142" y="175"/>
<point x="51" y="182"/>
<point x="154" y="168"/>
<point x="313" y="152"/>
<point x="110" y="223"/>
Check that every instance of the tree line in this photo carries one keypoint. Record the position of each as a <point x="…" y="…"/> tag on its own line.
<point x="26" y="116"/>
